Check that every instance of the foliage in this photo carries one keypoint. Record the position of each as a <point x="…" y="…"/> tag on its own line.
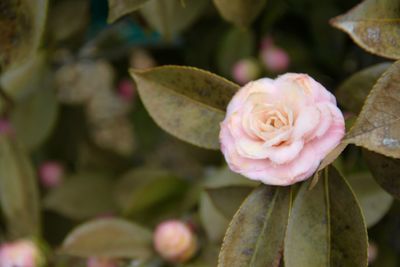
<point x="128" y="96"/>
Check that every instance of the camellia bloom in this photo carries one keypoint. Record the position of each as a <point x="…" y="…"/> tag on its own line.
<point x="22" y="253"/>
<point x="278" y="131"/>
<point x="175" y="241"/>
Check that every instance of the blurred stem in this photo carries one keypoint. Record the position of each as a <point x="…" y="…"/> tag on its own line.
<point x="8" y="101"/>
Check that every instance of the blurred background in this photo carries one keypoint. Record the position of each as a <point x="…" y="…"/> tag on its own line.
<point x="98" y="154"/>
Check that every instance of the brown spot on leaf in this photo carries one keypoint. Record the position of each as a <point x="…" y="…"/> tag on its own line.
<point x="16" y="30"/>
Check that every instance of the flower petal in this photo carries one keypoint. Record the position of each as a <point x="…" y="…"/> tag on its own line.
<point x="306" y="122"/>
<point x="264" y="85"/>
<point x="284" y="153"/>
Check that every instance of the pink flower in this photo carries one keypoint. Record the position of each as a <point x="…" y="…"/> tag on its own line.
<point x="245" y="70"/>
<point x="274" y="58"/>
<point x="100" y="262"/>
<point x="51" y="173"/>
<point x="6" y="128"/>
<point x="175" y="241"/>
<point x="126" y="90"/>
<point x="22" y="253"/>
<point x="278" y="131"/>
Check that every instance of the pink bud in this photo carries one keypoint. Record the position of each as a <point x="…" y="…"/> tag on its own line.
<point x="126" y="90"/>
<point x="101" y="262"/>
<point x="175" y="241"/>
<point x="51" y="174"/>
<point x="22" y="253"/>
<point x="6" y="127"/>
<point x="275" y="59"/>
<point x="372" y="252"/>
<point x="245" y="70"/>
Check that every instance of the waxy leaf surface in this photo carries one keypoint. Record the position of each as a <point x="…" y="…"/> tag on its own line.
<point x="377" y="128"/>
<point x="255" y="235"/>
<point x="374" y="26"/>
<point x="108" y="238"/>
<point x="326" y="226"/>
<point x="186" y="102"/>
<point x="240" y="12"/>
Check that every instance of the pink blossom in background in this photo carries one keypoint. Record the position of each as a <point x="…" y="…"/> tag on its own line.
<point x="22" y="253"/>
<point x="245" y="70"/>
<point x="6" y="127"/>
<point x="126" y="90"/>
<point x="51" y="173"/>
<point x="274" y="58"/>
<point x="175" y="241"/>
<point x="101" y="262"/>
<point x="278" y="131"/>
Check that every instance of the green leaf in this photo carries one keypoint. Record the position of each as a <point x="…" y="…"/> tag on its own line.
<point x="385" y="170"/>
<point x="236" y="44"/>
<point x="326" y="226"/>
<point x="19" y="196"/>
<point x="120" y="8"/>
<point x="373" y="25"/>
<point x="108" y="238"/>
<point x="208" y="256"/>
<point x="20" y="81"/>
<point x="224" y="177"/>
<point x="228" y="199"/>
<point x="377" y="128"/>
<point x="60" y="32"/>
<point x="169" y="17"/>
<point x="352" y="93"/>
<point x="240" y="12"/>
<point x="186" y="102"/>
<point x="82" y="196"/>
<point x="21" y="29"/>
<point x="212" y="220"/>
<point x="330" y="158"/>
<point x="255" y="235"/>
<point x="374" y="201"/>
<point x="35" y="115"/>
<point x="140" y="190"/>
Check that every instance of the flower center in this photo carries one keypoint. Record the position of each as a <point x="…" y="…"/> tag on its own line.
<point x="275" y="119"/>
<point x="267" y="121"/>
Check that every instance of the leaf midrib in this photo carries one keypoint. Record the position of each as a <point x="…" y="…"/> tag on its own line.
<point x="353" y="136"/>
<point x="394" y="20"/>
<point x="265" y="223"/>
<point x="328" y="215"/>
<point x="150" y="81"/>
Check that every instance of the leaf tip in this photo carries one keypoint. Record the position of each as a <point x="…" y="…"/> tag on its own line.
<point x="337" y="22"/>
